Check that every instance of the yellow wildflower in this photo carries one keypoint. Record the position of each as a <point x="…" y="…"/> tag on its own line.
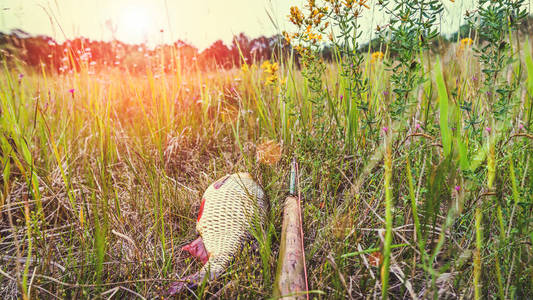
<point x="271" y="79"/>
<point x="245" y="67"/>
<point x="287" y="37"/>
<point x="376" y="56"/>
<point x="349" y="3"/>
<point x="466" y="42"/>
<point x="265" y="65"/>
<point x="314" y="37"/>
<point x="270" y="70"/>
<point x="296" y="16"/>
<point x="318" y="19"/>
<point x="273" y="68"/>
<point x="463" y="44"/>
<point x="363" y="3"/>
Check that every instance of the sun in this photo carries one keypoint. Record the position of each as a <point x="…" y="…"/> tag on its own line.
<point x="136" y="23"/>
<point x="135" y="19"/>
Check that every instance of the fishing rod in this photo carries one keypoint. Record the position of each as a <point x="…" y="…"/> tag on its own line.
<point x="291" y="273"/>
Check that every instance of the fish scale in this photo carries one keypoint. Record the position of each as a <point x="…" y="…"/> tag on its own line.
<point x="227" y="217"/>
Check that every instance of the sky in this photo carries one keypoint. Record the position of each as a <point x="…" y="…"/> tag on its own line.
<point x="199" y="22"/>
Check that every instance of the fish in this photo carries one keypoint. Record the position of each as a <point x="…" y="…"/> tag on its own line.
<point x="230" y="210"/>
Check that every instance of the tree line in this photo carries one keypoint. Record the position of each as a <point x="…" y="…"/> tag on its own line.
<point x="44" y="52"/>
<point x="19" y="47"/>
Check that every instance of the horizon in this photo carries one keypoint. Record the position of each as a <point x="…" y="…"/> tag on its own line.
<point x="166" y="21"/>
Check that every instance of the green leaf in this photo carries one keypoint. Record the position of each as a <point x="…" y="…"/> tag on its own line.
<point x="443" y="108"/>
<point x="463" y="155"/>
<point x="529" y="65"/>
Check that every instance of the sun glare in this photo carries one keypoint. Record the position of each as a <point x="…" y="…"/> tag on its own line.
<point x="136" y="23"/>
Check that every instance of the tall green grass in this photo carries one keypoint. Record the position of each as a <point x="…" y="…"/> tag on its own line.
<point x="100" y="187"/>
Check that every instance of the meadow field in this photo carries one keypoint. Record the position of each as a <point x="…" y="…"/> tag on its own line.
<point x="416" y="162"/>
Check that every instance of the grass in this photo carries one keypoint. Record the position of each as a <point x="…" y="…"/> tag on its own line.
<point x="101" y="186"/>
